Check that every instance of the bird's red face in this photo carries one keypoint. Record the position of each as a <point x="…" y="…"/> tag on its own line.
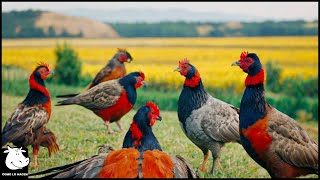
<point x="140" y="80"/>
<point x="245" y="62"/>
<point x="43" y="70"/>
<point x="183" y="67"/>
<point x="154" y="113"/>
<point x="124" y="56"/>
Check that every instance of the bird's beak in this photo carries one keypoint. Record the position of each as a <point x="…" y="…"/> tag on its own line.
<point x="237" y="63"/>
<point x="159" y="118"/>
<point x="51" y="72"/>
<point x="177" y="69"/>
<point x="144" y="83"/>
<point x="129" y="60"/>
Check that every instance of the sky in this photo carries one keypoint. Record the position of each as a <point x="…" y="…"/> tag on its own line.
<point x="281" y="10"/>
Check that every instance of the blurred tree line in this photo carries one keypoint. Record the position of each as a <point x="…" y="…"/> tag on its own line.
<point x="21" y="24"/>
<point x="184" y="29"/>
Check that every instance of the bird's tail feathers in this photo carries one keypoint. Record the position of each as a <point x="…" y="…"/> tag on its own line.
<point x="56" y="170"/>
<point x="187" y="166"/>
<point x="65" y="102"/>
<point x="66" y="95"/>
<point x="49" y="141"/>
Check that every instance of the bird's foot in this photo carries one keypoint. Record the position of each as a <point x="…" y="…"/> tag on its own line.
<point x="212" y="172"/>
<point x="35" y="165"/>
<point x="202" y="169"/>
<point x="111" y="133"/>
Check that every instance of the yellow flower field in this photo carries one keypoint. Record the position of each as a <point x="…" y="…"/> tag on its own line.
<point x="157" y="57"/>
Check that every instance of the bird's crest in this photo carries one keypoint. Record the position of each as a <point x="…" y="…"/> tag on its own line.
<point x="244" y="54"/>
<point x="42" y="64"/>
<point x="153" y="106"/>
<point x="184" y="61"/>
<point x="122" y="50"/>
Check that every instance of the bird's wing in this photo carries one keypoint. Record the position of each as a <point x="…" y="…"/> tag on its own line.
<point x="23" y="120"/>
<point x="104" y="72"/>
<point x="290" y="141"/>
<point x="87" y="168"/>
<point x="219" y="120"/>
<point x="101" y="96"/>
<point x="182" y="169"/>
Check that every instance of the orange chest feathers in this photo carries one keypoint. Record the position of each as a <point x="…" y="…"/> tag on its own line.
<point x="118" y="72"/>
<point x="124" y="163"/>
<point x="258" y="135"/>
<point x="47" y="107"/>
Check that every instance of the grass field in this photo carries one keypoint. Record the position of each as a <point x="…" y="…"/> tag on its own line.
<point x="157" y="57"/>
<point x="79" y="133"/>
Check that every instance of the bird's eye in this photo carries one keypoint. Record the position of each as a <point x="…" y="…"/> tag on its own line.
<point x="247" y="60"/>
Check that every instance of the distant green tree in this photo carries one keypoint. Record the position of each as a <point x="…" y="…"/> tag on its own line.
<point x="68" y="65"/>
<point x="51" y="32"/>
<point x="273" y="76"/>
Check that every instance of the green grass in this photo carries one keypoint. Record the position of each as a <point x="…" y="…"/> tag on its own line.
<point x="79" y="132"/>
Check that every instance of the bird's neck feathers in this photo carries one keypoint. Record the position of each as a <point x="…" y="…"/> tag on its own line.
<point x="193" y="81"/>
<point x="136" y="134"/>
<point x="37" y="94"/>
<point x="256" y="79"/>
<point x="191" y="98"/>
<point x="129" y="88"/>
<point x="253" y="105"/>
<point x="36" y="83"/>
<point x="142" y="137"/>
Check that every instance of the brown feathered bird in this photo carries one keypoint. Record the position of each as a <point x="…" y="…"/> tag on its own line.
<point x="110" y="100"/>
<point x="114" y="69"/>
<point x="208" y="122"/>
<point x="271" y="138"/>
<point x="141" y="156"/>
<point x="26" y="125"/>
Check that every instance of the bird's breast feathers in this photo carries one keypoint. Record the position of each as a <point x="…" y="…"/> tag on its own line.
<point x="258" y="136"/>
<point x="118" y="72"/>
<point x="115" y="112"/>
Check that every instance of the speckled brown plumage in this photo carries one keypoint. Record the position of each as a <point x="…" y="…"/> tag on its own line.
<point x="26" y="125"/>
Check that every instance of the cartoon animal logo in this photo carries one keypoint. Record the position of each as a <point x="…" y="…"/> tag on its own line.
<point x="15" y="159"/>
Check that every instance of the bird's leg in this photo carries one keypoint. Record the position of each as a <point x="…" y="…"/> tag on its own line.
<point x="205" y="159"/>
<point x="110" y="131"/>
<point x="120" y="125"/>
<point x="215" y="154"/>
<point x="35" y="156"/>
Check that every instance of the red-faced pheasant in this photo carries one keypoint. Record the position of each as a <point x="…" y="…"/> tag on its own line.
<point x="114" y="69"/>
<point x="110" y="100"/>
<point x="26" y="125"/>
<point x="271" y="138"/>
<point x="208" y="122"/>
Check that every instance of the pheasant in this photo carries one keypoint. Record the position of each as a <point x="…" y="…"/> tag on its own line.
<point x="110" y="100"/>
<point x="26" y="125"/>
<point x="271" y="138"/>
<point x="114" y="69"/>
<point x="208" y="122"/>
